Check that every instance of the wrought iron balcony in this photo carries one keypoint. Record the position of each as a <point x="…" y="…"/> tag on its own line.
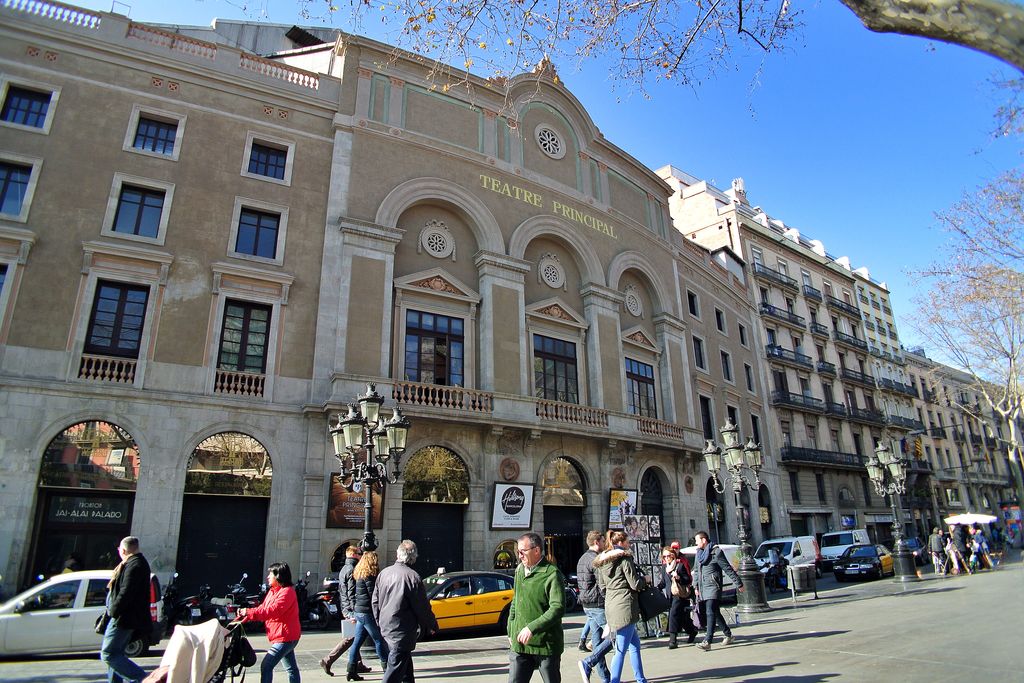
<point x="908" y="423"/>
<point x="765" y="273"/>
<point x="896" y="387"/>
<point x="857" y="377"/>
<point x="819" y="329"/>
<point x="798" y="401"/>
<point x="786" y="356"/>
<point x="866" y="416"/>
<point x="849" y="340"/>
<point x="958" y="435"/>
<point x="929" y="395"/>
<point x="812" y="293"/>
<point x="919" y="465"/>
<point x="833" y="408"/>
<point x="841" y="305"/>
<point x="826" y="368"/>
<point x="821" y="457"/>
<point x="937" y="432"/>
<point x="783" y="315"/>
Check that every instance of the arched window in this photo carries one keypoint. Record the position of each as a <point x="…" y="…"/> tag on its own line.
<point x="91" y="455"/>
<point x="436" y="475"/>
<point x="562" y="483"/>
<point x="229" y="464"/>
<point x="651" y="496"/>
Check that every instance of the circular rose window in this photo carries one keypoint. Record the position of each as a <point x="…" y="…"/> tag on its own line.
<point x="549" y="142"/>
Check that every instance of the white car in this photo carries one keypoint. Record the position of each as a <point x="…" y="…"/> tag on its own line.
<point x="732" y="553"/>
<point x="59" y="615"/>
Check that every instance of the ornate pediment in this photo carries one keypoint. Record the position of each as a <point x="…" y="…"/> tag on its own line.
<point x="638" y="337"/>
<point x="556" y="309"/>
<point x="436" y="281"/>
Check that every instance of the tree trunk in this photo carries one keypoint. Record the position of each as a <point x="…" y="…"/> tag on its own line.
<point x="990" y="26"/>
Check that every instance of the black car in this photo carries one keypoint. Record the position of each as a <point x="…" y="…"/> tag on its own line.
<point x="915" y="546"/>
<point x="864" y="561"/>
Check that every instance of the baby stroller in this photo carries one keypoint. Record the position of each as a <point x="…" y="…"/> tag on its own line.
<point x="207" y="652"/>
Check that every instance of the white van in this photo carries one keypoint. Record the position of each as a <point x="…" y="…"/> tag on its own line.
<point x="835" y="542"/>
<point x="797" y="550"/>
<point x="732" y="553"/>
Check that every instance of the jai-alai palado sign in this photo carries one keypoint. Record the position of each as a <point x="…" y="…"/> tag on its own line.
<point x="557" y="207"/>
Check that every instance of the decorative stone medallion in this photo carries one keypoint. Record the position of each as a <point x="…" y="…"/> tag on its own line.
<point x="618" y="478"/>
<point x="437" y="240"/>
<point x="550" y="271"/>
<point x="509" y="469"/>
<point x="634" y="305"/>
<point x="549" y="141"/>
<point x="688" y="484"/>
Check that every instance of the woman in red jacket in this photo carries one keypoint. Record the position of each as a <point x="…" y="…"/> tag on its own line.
<point x="280" y="613"/>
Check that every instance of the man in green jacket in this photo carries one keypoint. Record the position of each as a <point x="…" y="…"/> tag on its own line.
<point x="535" y="617"/>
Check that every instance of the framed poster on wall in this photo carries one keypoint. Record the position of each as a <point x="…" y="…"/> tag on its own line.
<point x="621" y="502"/>
<point x="346" y="505"/>
<point x="512" y="507"/>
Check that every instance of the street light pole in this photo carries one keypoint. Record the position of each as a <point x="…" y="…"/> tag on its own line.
<point x="888" y="472"/>
<point x="738" y="458"/>
<point x="381" y="444"/>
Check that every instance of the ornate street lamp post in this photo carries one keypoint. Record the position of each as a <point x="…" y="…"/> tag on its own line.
<point x="737" y="459"/>
<point x="888" y="472"/>
<point x="367" y="448"/>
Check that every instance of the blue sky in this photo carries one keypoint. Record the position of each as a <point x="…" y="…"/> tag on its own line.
<point x="853" y="137"/>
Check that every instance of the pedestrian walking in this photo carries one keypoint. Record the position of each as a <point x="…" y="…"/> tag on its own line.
<point x="677" y="585"/>
<point x="128" y="607"/>
<point x="622" y="581"/>
<point x="401" y="610"/>
<point x="346" y="595"/>
<point x="279" y="612"/>
<point x="535" y="616"/>
<point x="365" y="576"/>
<point x="956" y="549"/>
<point x="592" y="598"/>
<point x="709" y="566"/>
<point x="937" y="548"/>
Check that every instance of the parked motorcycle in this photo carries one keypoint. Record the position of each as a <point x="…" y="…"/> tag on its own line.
<point x="311" y="615"/>
<point x="572" y="593"/>
<point x="774" y="575"/>
<point x="327" y="604"/>
<point x="193" y="609"/>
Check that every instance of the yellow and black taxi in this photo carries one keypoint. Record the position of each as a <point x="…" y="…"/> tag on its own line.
<point x="469" y="599"/>
<point x="864" y="561"/>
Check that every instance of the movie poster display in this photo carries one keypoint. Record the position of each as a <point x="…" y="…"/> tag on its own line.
<point x="621" y="502"/>
<point x="513" y="506"/>
<point x="346" y="506"/>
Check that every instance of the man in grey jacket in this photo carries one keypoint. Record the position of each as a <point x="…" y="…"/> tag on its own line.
<point x="709" y="565"/>
<point x="400" y="605"/>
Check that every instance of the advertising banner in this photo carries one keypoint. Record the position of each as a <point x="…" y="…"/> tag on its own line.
<point x="513" y="506"/>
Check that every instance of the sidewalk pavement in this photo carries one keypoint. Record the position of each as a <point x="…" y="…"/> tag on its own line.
<point x="957" y="629"/>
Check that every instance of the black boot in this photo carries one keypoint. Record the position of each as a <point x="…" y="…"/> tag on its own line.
<point x="672" y="641"/>
<point x="353" y="674"/>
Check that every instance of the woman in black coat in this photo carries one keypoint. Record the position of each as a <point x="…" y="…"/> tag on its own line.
<point x="675" y="571"/>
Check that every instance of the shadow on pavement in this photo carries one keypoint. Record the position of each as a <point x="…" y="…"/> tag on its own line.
<point x="766" y="638"/>
<point x="459" y="670"/>
<point x="743" y="672"/>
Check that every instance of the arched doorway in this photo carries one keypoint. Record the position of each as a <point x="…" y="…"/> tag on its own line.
<point x="562" y="486"/>
<point x="716" y="512"/>
<point x="224" y="513"/>
<point x="652" y="503"/>
<point x="434" y="501"/>
<point x="764" y="501"/>
<point x="86" y="494"/>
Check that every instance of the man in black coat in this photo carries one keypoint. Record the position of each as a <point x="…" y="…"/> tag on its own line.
<point x="128" y="607"/>
<point x="400" y="607"/>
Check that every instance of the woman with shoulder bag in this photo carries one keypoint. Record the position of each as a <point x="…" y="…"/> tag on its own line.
<point x="622" y="581"/>
<point x="677" y="584"/>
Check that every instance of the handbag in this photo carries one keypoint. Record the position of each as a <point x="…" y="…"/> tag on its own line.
<point x="652" y="602"/>
<point x="101" y="622"/>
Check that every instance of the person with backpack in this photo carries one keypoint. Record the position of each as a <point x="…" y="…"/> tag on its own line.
<point x="709" y="566"/>
<point x="280" y="613"/>
<point x="592" y="598"/>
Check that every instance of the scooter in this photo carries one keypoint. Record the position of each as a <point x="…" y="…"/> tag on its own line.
<point x="327" y="604"/>
<point x="311" y="615"/>
<point x="774" y="576"/>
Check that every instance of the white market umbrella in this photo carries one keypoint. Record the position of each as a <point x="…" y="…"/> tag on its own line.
<point x="971" y="518"/>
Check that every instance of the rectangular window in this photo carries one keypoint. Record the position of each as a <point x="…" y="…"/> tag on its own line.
<point x="554" y="370"/>
<point x="267" y="161"/>
<point x="743" y="335"/>
<point x="434" y="349"/>
<point x="13" y="187"/>
<point x="865" y="486"/>
<point x="257" y="233"/>
<point x="756" y="255"/>
<point x="794" y="486"/>
<point x="243" y="338"/>
<point x="693" y="303"/>
<point x="118" y="315"/>
<point x="640" y="388"/>
<point x="698" y="354"/>
<point x="25" y="107"/>
<point x="726" y="366"/>
<point x="748" y="372"/>
<point x="139" y="211"/>
<point x="720" y="320"/>
<point x="819" y="479"/>
<point x="755" y="428"/>
<point x="707" y="418"/>
<point x="733" y="415"/>
<point x="153" y="135"/>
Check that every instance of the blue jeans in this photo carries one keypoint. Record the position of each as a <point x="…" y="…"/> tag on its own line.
<point x="366" y="625"/>
<point x="595" y="660"/>
<point x="626" y="638"/>
<point x="119" y="667"/>
<point x="276" y="653"/>
<point x="713" y="615"/>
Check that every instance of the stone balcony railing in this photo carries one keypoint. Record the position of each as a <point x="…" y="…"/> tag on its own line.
<point x="107" y="368"/>
<point x="239" y="383"/>
<point x="445" y="397"/>
<point x="572" y="413"/>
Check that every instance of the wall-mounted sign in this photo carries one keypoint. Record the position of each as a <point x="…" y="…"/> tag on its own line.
<point x="88" y="510"/>
<point x="346" y="506"/>
<point x="556" y="207"/>
<point x="513" y="506"/>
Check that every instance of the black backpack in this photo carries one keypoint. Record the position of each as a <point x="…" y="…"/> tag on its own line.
<point x="238" y="655"/>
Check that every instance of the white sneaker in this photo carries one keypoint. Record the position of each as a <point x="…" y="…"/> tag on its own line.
<point x="728" y="640"/>
<point x="584" y="671"/>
